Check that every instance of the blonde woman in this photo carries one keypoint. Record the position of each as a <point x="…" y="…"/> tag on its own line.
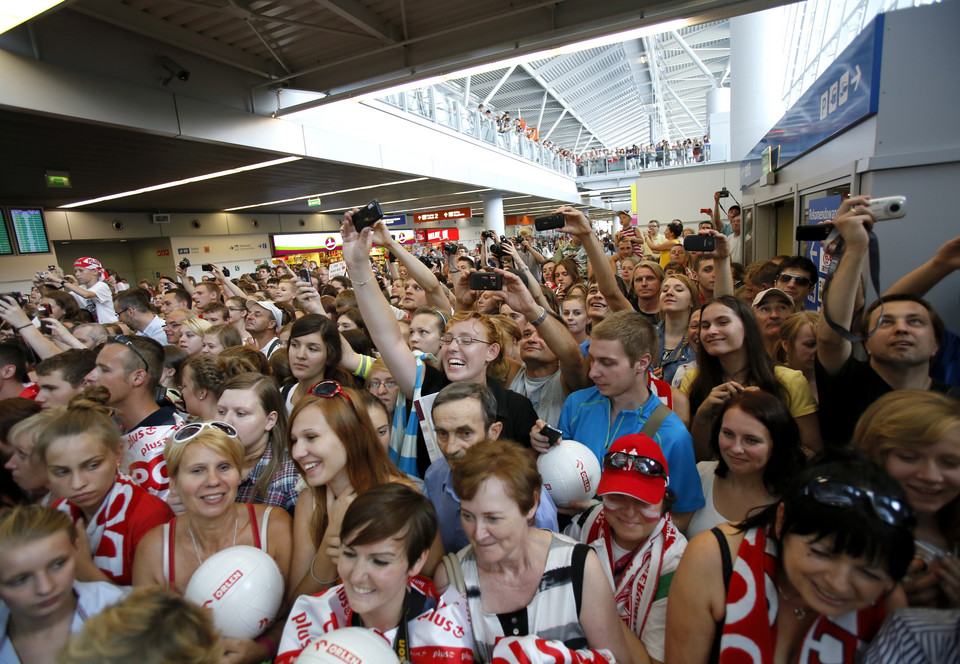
<point x="915" y="436"/>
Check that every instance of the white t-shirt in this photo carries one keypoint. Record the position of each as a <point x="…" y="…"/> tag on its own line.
<point x="101" y="304"/>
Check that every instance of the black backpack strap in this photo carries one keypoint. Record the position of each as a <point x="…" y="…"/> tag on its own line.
<point x="727" y="564"/>
<point x="578" y="565"/>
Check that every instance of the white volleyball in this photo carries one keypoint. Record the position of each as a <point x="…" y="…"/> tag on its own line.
<point x="354" y="645"/>
<point x="242" y="586"/>
<point x="570" y="471"/>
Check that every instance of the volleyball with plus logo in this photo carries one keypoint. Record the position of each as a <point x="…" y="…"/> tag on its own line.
<point x="353" y="645"/>
<point x="570" y="471"/>
<point x="242" y="586"/>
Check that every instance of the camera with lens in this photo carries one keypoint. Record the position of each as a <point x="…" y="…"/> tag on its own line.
<point x="724" y="193"/>
<point x="496" y="250"/>
<point x="184" y="263"/>
<point x="450" y="247"/>
<point x="488" y="235"/>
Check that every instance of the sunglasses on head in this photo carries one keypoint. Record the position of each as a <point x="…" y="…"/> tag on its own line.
<point x="643" y="465"/>
<point x="189" y="431"/>
<point x="328" y="389"/>
<point x="888" y="509"/>
<point x="799" y="281"/>
<point x="126" y="342"/>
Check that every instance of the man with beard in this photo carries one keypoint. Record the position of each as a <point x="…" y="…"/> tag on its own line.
<point x="464" y="414"/>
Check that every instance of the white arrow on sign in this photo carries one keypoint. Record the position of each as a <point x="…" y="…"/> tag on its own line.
<point x="856" y="79"/>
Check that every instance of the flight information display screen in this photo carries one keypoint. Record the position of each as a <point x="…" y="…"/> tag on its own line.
<point x="6" y="248"/>
<point x="29" y="230"/>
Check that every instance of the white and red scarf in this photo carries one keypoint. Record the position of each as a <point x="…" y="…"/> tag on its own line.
<point x="639" y="571"/>
<point x="750" y="628"/>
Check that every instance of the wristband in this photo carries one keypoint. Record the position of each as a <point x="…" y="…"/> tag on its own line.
<point x="17" y="329"/>
<point x="536" y="322"/>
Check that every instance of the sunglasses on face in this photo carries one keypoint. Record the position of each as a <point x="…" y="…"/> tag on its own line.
<point x="640" y="464"/>
<point x="799" y="281"/>
<point x="888" y="509"/>
<point x="189" y="431"/>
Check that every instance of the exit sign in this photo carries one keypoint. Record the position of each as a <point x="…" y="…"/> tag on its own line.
<point x="58" y="179"/>
<point x="443" y="215"/>
<point x="313" y="202"/>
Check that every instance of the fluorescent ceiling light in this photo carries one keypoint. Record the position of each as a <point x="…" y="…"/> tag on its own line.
<point x="15" y="12"/>
<point x="177" y="183"/>
<point x="325" y="193"/>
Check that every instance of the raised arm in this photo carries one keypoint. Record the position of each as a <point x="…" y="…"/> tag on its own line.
<point x="576" y="223"/>
<point x="381" y="323"/>
<point x="184" y="281"/>
<point x="928" y="275"/>
<point x="573" y="366"/>
<point x="228" y="286"/>
<point x="852" y="223"/>
<point x="415" y="269"/>
<point x="11" y="312"/>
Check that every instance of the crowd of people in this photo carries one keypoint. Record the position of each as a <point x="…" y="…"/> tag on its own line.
<point x="778" y="483"/>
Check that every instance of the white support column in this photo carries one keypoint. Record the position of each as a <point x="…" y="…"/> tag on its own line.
<point x="493" y="212"/>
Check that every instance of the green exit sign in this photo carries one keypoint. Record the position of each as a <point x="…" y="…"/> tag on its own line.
<point x="313" y="202"/>
<point x="58" y="179"/>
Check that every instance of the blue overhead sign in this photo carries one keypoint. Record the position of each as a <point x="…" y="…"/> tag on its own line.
<point x="846" y="93"/>
<point x="395" y="220"/>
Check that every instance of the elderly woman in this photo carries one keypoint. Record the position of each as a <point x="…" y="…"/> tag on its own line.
<point x="521" y="581"/>
<point x="386" y="537"/>
<point x="829" y="554"/>
<point x="40" y="602"/>
<point x="634" y="536"/>
<point x="204" y="460"/>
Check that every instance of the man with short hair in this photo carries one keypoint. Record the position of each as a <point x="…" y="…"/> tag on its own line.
<point x="61" y="376"/>
<point x="706" y="276"/>
<point x="215" y="313"/>
<point x="263" y="321"/>
<point x="465" y="413"/>
<point x="906" y="333"/>
<point x="14" y="381"/>
<point x="205" y="292"/>
<point x="796" y="277"/>
<point x="172" y="325"/>
<point x="91" y="335"/>
<point x="173" y="299"/>
<point x="620" y="403"/>
<point x="270" y="288"/>
<point x="771" y="307"/>
<point x="130" y="369"/>
<point x="135" y="310"/>
<point x="759" y="276"/>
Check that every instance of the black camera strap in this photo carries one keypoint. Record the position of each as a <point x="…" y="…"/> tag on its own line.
<point x="873" y="253"/>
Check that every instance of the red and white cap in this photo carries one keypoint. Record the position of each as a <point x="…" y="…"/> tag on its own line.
<point x="88" y="263"/>
<point x="629" y="482"/>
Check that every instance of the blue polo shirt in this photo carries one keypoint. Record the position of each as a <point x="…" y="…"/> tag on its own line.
<point x="585" y="418"/>
<point x="438" y="487"/>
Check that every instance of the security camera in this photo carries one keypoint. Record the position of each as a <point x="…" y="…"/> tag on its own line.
<point x="256" y="223"/>
<point x="117" y="225"/>
<point x="302" y="223"/>
<point x="195" y="223"/>
<point x="172" y="70"/>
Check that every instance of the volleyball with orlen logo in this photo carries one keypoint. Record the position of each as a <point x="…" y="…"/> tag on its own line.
<point x="570" y="471"/>
<point x="348" y="645"/>
<point x="242" y="586"/>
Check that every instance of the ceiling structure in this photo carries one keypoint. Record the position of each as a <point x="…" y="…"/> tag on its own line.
<point x="612" y="95"/>
<point x="344" y="48"/>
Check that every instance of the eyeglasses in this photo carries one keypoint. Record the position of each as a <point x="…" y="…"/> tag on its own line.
<point x="643" y="465"/>
<point x="376" y="384"/>
<point x="328" y="389"/>
<point x="189" y="431"/>
<point x="126" y="342"/>
<point x="890" y="510"/>
<point x="448" y="339"/>
<point x="799" y="281"/>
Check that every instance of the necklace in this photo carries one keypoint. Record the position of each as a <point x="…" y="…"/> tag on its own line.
<point x="798" y="612"/>
<point x="236" y="528"/>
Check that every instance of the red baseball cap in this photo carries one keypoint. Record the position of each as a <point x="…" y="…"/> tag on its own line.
<point x="627" y="480"/>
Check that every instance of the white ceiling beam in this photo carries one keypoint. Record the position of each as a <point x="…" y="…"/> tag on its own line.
<point x="503" y="79"/>
<point x="363" y="18"/>
<point x="696" y="59"/>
